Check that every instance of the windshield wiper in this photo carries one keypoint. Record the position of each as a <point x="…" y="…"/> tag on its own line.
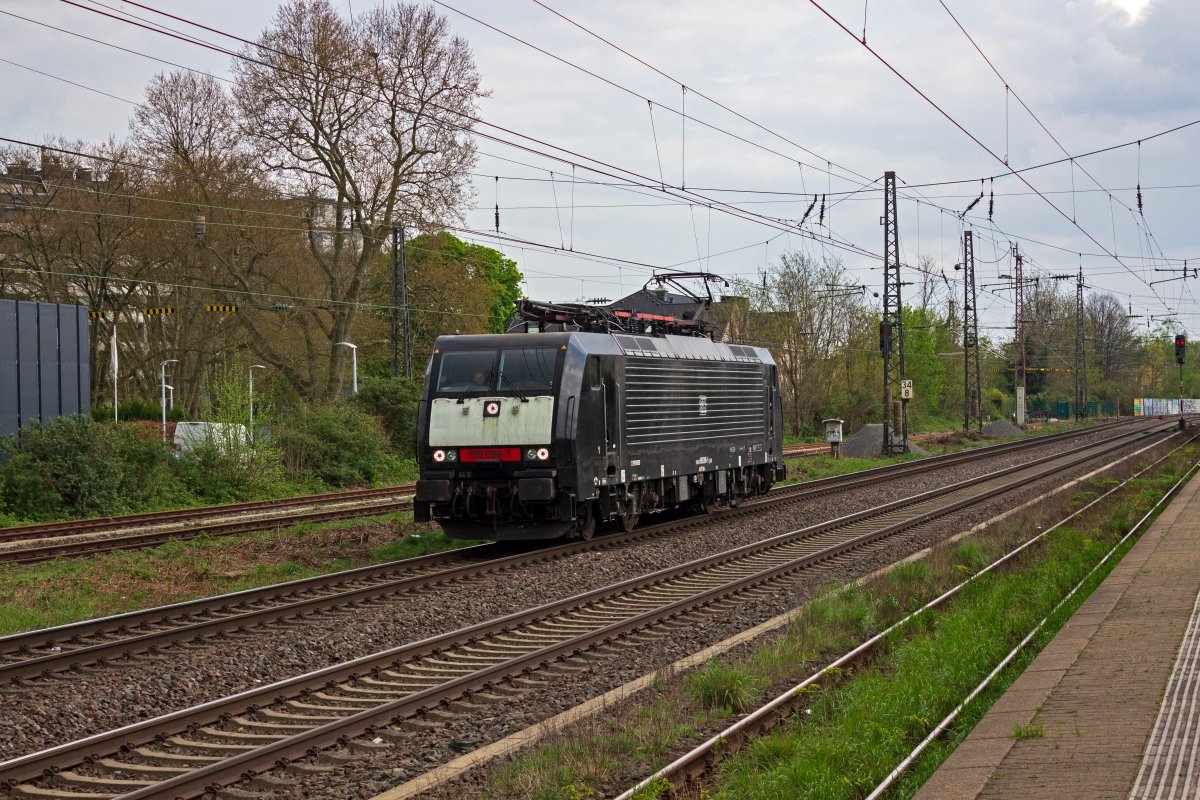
<point x="482" y="386"/>
<point x="504" y="377"/>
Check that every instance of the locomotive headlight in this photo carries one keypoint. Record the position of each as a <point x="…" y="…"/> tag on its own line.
<point x="439" y="456"/>
<point x="530" y="454"/>
<point x="452" y="455"/>
<point x="543" y="454"/>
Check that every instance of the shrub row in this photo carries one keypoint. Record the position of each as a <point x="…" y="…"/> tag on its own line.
<point x="82" y="466"/>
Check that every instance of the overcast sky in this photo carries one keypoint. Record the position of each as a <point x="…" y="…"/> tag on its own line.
<point x="1096" y="73"/>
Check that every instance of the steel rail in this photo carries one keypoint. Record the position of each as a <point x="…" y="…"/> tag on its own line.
<point x="43" y="551"/>
<point x="51" y="549"/>
<point x="700" y="759"/>
<point x="41" y="652"/>
<point x="93" y="524"/>
<point x="284" y="747"/>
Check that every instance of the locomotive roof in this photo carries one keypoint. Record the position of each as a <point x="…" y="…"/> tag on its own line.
<point x="669" y="346"/>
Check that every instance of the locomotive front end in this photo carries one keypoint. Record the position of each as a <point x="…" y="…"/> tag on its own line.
<point x="485" y="435"/>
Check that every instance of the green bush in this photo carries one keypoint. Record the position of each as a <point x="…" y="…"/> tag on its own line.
<point x="215" y="473"/>
<point x="339" y="443"/>
<point x="137" y="408"/>
<point x="394" y="401"/>
<point x="79" y="468"/>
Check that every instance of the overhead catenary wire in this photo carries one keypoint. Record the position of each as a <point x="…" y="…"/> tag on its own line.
<point x="972" y="137"/>
<point x="596" y="165"/>
<point x="1047" y="130"/>
<point x="783" y="231"/>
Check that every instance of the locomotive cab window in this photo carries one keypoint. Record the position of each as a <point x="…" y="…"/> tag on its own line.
<point x="466" y="371"/>
<point x="528" y="369"/>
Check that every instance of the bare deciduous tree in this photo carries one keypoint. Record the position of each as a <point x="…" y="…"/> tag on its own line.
<point x="371" y="121"/>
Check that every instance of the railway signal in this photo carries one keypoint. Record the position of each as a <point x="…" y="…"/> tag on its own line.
<point x="1180" y="348"/>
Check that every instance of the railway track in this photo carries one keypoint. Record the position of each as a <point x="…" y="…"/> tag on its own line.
<point x="189" y="752"/>
<point x="29" y="544"/>
<point x="32" y="543"/>
<point x="817" y="448"/>
<point x="688" y="773"/>
<point x="43" y="652"/>
<point x="73" y="539"/>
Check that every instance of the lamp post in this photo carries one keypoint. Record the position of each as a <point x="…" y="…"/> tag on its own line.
<point x="353" y="365"/>
<point x="250" y="372"/>
<point x="170" y="397"/>
<point x="162" y="377"/>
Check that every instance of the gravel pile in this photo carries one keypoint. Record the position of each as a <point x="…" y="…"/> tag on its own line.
<point x="131" y="690"/>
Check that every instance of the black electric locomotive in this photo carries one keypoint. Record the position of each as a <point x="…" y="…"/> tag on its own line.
<point x="544" y="435"/>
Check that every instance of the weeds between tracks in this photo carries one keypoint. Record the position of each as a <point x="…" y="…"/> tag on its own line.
<point x="68" y="590"/>
<point x="854" y="731"/>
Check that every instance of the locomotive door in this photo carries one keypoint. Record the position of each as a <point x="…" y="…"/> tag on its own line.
<point x="612" y="424"/>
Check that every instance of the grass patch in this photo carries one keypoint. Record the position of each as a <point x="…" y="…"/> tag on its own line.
<point x="68" y="590"/>
<point x="722" y="690"/>
<point x="860" y="729"/>
<point x="1034" y="730"/>
<point x="859" y="725"/>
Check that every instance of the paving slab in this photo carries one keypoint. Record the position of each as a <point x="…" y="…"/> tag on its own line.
<point x="1117" y="692"/>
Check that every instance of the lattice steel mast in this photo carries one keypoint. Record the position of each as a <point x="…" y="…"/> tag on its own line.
<point x="1019" y="302"/>
<point x="972" y="405"/>
<point x="1080" y="351"/>
<point x="891" y="328"/>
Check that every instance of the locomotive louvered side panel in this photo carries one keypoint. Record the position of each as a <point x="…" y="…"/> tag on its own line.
<point x="668" y="401"/>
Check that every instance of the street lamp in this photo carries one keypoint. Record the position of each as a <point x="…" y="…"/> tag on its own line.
<point x="170" y="397"/>
<point x="162" y="376"/>
<point x="353" y="365"/>
<point x="250" y="372"/>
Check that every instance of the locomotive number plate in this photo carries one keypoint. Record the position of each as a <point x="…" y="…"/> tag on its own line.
<point x="468" y="454"/>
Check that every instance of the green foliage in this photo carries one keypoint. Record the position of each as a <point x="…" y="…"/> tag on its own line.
<point x="394" y="401"/>
<point x="137" y="408"/>
<point x="922" y="365"/>
<point x="338" y="443"/>
<point x="76" y="467"/>
<point x="475" y="284"/>
<point x="718" y="687"/>
<point x="214" y="474"/>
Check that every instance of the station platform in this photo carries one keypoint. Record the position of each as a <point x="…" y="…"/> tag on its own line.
<point x="1111" y="707"/>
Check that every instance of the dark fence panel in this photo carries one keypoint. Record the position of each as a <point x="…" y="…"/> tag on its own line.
<point x="10" y="423"/>
<point x="44" y="370"/>
<point x="47" y="316"/>
<point x="29" y="406"/>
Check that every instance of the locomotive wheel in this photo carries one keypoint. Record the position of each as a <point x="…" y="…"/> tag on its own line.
<point x="628" y="521"/>
<point x="585" y="522"/>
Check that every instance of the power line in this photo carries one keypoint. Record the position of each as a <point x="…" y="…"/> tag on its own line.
<point x="701" y="94"/>
<point x="65" y="80"/>
<point x="1056" y="162"/>
<point x="645" y="181"/>
<point x="973" y="138"/>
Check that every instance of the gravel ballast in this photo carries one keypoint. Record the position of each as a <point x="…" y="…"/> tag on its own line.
<point x="37" y="717"/>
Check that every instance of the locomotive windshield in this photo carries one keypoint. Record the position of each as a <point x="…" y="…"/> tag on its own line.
<point x="528" y="370"/>
<point x="522" y="370"/>
<point x="466" y="371"/>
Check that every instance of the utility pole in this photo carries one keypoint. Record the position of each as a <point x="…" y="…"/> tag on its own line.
<point x="1080" y="352"/>
<point x="891" y="328"/>
<point x="972" y="402"/>
<point x="1019" y="302"/>
<point x="395" y="300"/>
<point x="399" y="301"/>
